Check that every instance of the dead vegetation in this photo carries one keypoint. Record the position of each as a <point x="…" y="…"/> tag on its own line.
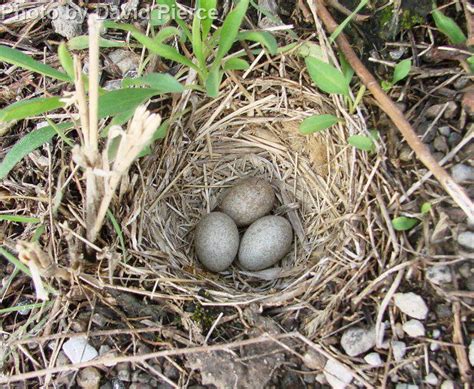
<point x="139" y="295"/>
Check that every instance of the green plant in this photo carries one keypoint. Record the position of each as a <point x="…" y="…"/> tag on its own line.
<point x="448" y="27"/>
<point x="401" y="71"/>
<point x="208" y="49"/>
<point x="403" y="223"/>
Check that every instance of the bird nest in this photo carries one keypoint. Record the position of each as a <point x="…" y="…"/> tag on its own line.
<point x="321" y="185"/>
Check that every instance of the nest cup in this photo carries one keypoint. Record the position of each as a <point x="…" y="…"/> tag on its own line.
<point x="251" y="130"/>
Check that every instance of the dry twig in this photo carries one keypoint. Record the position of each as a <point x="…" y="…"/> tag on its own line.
<point x="388" y="106"/>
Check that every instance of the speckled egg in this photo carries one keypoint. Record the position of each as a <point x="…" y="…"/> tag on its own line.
<point x="265" y="242"/>
<point x="217" y="241"/>
<point x="248" y="200"/>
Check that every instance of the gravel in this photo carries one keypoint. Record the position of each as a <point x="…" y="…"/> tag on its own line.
<point x="411" y="304"/>
<point x="337" y="375"/>
<point x="471" y="352"/>
<point x="439" y="274"/>
<point x="88" y="378"/>
<point x="399" y="349"/>
<point x="462" y="173"/>
<point x="466" y="239"/>
<point x="431" y="379"/>
<point x="357" y="340"/>
<point x="373" y="359"/>
<point x="414" y="328"/>
<point x="78" y="350"/>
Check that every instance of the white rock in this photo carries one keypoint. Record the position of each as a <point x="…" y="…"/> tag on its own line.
<point x="411" y="304"/>
<point x="67" y="21"/>
<point x="398" y="349"/>
<point x="321" y="378"/>
<point x="127" y="61"/>
<point x="414" y="328"/>
<point x="406" y="386"/>
<point x="78" y="350"/>
<point x="337" y="375"/>
<point x="357" y="340"/>
<point x="373" y="359"/>
<point x="462" y="173"/>
<point x="471" y="352"/>
<point x="448" y="384"/>
<point x="466" y="239"/>
<point x="439" y="274"/>
<point x="436" y="333"/>
<point x="434" y="346"/>
<point x="431" y="379"/>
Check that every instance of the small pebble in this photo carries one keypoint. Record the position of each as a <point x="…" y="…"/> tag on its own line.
<point x="398" y="349"/>
<point x="431" y="379"/>
<point x="471" y="352"/>
<point x="444" y="130"/>
<point x="448" y="384"/>
<point x="406" y="154"/>
<point x="123" y="371"/>
<point x="466" y="239"/>
<point x="439" y="274"/>
<point x="406" y="386"/>
<point x="357" y="340"/>
<point x="337" y="375"/>
<point x="79" y="350"/>
<point x="314" y="360"/>
<point x="454" y="139"/>
<point x="434" y="346"/>
<point x="67" y="21"/>
<point x="373" y="359"/>
<point x="451" y="110"/>
<point x="462" y="173"/>
<point x="265" y="242"/>
<point x="88" y="378"/>
<point x="436" y="334"/>
<point x="440" y="144"/>
<point x="411" y="304"/>
<point x="217" y="241"/>
<point x="127" y="61"/>
<point x="460" y="83"/>
<point x="321" y="378"/>
<point x="414" y="328"/>
<point x="433" y="111"/>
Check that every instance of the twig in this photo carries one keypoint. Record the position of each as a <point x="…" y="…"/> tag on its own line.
<point x="460" y="349"/>
<point x="388" y="106"/>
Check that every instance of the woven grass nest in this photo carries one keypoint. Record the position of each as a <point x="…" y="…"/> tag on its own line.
<point x="321" y="184"/>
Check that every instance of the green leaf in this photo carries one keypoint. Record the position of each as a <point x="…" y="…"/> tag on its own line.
<point x="160" y="49"/>
<point x="163" y="12"/>
<point x="213" y="82"/>
<point x="18" y="58"/>
<point x="208" y="7"/>
<point x="19" y="219"/>
<point x="318" y="123"/>
<point x="403" y="223"/>
<point x="361" y="142"/>
<point x="163" y="82"/>
<point x="309" y="49"/>
<point x="66" y="60"/>
<point x="425" y="208"/>
<point x="123" y="100"/>
<point x="341" y="27"/>
<point x="265" y="38"/>
<point x="470" y="62"/>
<point x="401" y="70"/>
<point x="346" y="68"/>
<point x="229" y="30"/>
<point x="196" y="42"/>
<point x="386" y="85"/>
<point x="448" y="27"/>
<point x="327" y="77"/>
<point x="81" y="42"/>
<point x="26" y="145"/>
<point x="236" y="64"/>
<point x="167" y="32"/>
<point x="28" y="108"/>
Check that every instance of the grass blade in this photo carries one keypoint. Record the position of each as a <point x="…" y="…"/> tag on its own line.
<point x="163" y="82"/>
<point x="343" y="25"/>
<point x="81" y="42"/>
<point x="66" y="60"/>
<point x="236" y="64"/>
<point x="229" y="30"/>
<point x="213" y="82"/>
<point x="196" y="42"/>
<point x="31" y="107"/>
<point x="327" y="77"/>
<point x="18" y="58"/>
<point x="19" y="219"/>
<point x="123" y="100"/>
<point x="157" y="48"/>
<point x="26" y="145"/>
<point x="167" y="32"/>
<point x="265" y="38"/>
<point x="361" y="142"/>
<point x="448" y="27"/>
<point x="318" y="123"/>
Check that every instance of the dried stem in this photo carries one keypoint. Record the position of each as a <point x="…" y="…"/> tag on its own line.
<point x="421" y="150"/>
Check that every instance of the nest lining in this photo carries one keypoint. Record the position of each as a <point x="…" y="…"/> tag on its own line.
<point x="253" y="133"/>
